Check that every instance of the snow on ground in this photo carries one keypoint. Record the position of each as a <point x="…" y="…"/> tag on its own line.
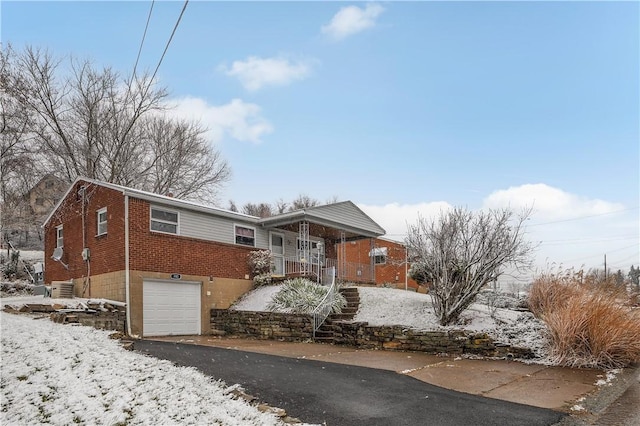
<point x="75" y="303"/>
<point x="31" y="255"/>
<point x="386" y="306"/>
<point x="258" y="299"/>
<point x="62" y="374"/>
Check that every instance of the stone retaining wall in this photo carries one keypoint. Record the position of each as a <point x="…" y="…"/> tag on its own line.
<point x="115" y="321"/>
<point x="296" y="328"/>
<point x="262" y="325"/>
<point x="453" y="342"/>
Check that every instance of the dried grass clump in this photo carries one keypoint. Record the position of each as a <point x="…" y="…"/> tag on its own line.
<point x="588" y="325"/>
<point x="593" y="330"/>
<point x="551" y="290"/>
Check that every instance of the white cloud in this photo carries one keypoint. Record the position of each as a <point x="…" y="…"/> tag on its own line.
<point x="572" y="230"/>
<point x="351" y="20"/>
<point x="237" y="119"/>
<point x="255" y="73"/>
<point x="395" y="217"/>
<point x="549" y="203"/>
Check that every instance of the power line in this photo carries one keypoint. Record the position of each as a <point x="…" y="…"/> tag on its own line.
<point x="588" y="240"/>
<point x="583" y="217"/>
<point x="169" y="41"/>
<point x="598" y="255"/>
<point x="144" y="35"/>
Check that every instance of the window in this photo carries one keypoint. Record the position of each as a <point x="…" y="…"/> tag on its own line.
<point x="164" y="220"/>
<point x="102" y="221"/>
<point x="379" y="255"/>
<point x="59" y="237"/>
<point x="310" y="245"/>
<point x="245" y="236"/>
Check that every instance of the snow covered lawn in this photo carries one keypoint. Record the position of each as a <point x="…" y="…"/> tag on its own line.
<point x="386" y="307"/>
<point x="62" y="374"/>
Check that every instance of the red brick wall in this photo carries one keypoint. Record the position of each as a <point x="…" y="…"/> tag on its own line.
<point x="392" y="272"/>
<point x="106" y="251"/>
<point x="149" y="251"/>
<point x="153" y="251"/>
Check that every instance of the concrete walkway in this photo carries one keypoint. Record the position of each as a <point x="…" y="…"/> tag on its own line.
<point x="531" y="384"/>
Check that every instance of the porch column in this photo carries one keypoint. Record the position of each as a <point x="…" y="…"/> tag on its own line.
<point x="304" y="249"/>
<point x="343" y="255"/>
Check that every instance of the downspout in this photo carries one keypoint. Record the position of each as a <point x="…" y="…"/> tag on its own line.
<point x="126" y="263"/>
<point x="406" y="268"/>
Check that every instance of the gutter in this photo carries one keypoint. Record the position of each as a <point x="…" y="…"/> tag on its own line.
<point x="127" y="280"/>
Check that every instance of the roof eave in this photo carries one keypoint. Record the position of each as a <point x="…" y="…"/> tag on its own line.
<point x="273" y="222"/>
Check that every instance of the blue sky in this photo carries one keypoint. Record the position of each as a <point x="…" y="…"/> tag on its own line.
<point x="401" y="107"/>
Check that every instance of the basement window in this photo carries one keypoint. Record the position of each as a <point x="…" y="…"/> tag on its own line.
<point x="245" y="236"/>
<point x="102" y="221"/>
<point x="164" y="220"/>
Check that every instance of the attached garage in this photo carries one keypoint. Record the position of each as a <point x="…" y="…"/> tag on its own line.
<point x="171" y="308"/>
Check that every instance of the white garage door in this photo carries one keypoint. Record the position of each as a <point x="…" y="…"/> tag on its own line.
<point x="170" y="308"/>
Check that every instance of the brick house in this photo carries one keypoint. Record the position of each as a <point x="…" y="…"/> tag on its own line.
<point x="388" y="260"/>
<point x="171" y="261"/>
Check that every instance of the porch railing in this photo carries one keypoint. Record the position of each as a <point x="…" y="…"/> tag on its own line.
<point x="344" y="271"/>
<point x="323" y="310"/>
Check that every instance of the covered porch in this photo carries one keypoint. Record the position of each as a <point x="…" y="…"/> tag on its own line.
<point x="306" y="242"/>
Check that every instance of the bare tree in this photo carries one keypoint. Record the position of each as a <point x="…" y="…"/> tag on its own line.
<point x="260" y="210"/>
<point x="303" y="202"/>
<point x="18" y="171"/>
<point x="281" y="206"/>
<point x="462" y="252"/>
<point x="94" y="123"/>
<point x="181" y="161"/>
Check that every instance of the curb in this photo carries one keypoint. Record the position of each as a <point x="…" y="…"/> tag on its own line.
<point x="599" y="400"/>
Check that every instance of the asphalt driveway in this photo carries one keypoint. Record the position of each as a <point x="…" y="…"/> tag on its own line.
<point x="336" y="394"/>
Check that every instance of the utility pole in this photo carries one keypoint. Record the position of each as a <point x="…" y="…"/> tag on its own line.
<point x="605" y="267"/>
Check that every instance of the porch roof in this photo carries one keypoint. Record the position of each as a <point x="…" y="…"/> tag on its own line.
<point x="342" y="216"/>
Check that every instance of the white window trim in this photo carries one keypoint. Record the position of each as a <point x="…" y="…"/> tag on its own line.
<point x="58" y="229"/>
<point x="152" y="219"/>
<point x="98" y="222"/>
<point x="255" y="234"/>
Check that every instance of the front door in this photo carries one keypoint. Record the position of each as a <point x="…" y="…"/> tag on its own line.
<point x="276" y="245"/>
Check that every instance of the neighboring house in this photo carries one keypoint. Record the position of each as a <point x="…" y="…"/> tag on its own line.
<point x="22" y="214"/>
<point x="172" y="260"/>
<point x="388" y="260"/>
<point x="45" y="194"/>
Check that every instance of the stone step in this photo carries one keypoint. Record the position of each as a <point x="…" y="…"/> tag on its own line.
<point x="324" y="339"/>
<point x="324" y="333"/>
<point x="335" y="317"/>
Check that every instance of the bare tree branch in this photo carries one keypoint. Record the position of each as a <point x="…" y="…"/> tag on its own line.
<point x="462" y="252"/>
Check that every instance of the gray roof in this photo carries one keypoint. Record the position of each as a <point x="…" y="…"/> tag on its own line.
<point x="344" y="215"/>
